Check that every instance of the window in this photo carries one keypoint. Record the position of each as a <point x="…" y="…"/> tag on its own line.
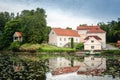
<point x="92" y="41"/>
<point x="92" y="64"/>
<point x="60" y="43"/>
<point x="69" y="38"/>
<point x="76" y="39"/>
<point x="92" y="58"/>
<point x="52" y="32"/>
<point x="92" y="47"/>
<point x="15" y="38"/>
<point x="64" y="39"/>
<point x="60" y="39"/>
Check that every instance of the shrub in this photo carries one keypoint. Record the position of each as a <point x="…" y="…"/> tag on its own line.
<point x="80" y="46"/>
<point x="72" y="43"/>
<point x="15" y="46"/>
<point x="111" y="52"/>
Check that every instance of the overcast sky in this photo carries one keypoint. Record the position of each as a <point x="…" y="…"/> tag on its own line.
<point x="68" y="13"/>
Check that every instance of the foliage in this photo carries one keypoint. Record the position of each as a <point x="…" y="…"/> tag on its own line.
<point x="32" y="24"/>
<point x="80" y="46"/>
<point x="15" y="46"/>
<point x="14" y="68"/>
<point x="69" y="28"/>
<point x="10" y="28"/>
<point x="113" y="67"/>
<point x="4" y="18"/>
<point x="72" y="43"/>
<point x="111" y="52"/>
<point x="112" y="30"/>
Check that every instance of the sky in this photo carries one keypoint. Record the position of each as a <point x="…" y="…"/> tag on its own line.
<point x="68" y="13"/>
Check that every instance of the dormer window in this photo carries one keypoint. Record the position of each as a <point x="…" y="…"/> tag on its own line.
<point x="92" y="47"/>
<point x="92" y="41"/>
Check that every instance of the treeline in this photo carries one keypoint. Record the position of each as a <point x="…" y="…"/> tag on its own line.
<point x="32" y="24"/>
<point x="112" y="30"/>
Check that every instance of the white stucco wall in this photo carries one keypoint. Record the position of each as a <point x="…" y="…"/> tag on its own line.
<point x="60" y="41"/>
<point x="52" y="38"/>
<point x="59" y="62"/>
<point x="63" y="40"/>
<point x="102" y="36"/>
<point x="17" y="38"/>
<point x="95" y="63"/>
<point x="83" y="34"/>
<point x="96" y="44"/>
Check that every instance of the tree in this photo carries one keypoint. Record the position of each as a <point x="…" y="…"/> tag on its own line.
<point x="4" y="18"/>
<point x="34" y="21"/>
<point x="80" y="46"/>
<point x="72" y="43"/>
<point x="112" y="30"/>
<point x="10" y="28"/>
<point x="69" y="28"/>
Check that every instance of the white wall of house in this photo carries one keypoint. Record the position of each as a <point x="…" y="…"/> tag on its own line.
<point x="53" y="38"/>
<point x="92" y="44"/>
<point x="95" y="62"/>
<point x="91" y="63"/>
<point x="63" y="40"/>
<point x="83" y="34"/>
<point x="102" y="36"/>
<point x="59" y="62"/>
<point x="17" y="38"/>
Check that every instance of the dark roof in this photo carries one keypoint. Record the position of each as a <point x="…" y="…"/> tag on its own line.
<point x="96" y="37"/>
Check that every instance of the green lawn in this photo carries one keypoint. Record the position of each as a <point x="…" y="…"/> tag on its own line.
<point x="44" y="48"/>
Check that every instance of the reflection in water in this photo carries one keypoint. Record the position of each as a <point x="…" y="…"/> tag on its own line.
<point x="90" y="66"/>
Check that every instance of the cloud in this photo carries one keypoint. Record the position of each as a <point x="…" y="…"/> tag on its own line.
<point x="68" y="13"/>
<point x="62" y="19"/>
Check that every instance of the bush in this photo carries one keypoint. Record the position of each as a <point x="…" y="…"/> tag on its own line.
<point x="15" y="46"/>
<point x="80" y="46"/>
<point x="72" y="43"/>
<point x="111" y="52"/>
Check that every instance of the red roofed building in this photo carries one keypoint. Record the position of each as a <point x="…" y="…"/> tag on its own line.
<point x="17" y="36"/>
<point x="96" y="32"/>
<point x="62" y="37"/>
<point x="118" y="43"/>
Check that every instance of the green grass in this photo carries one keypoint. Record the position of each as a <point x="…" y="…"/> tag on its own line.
<point x="44" y="48"/>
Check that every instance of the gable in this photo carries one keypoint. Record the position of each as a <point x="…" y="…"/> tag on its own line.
<point x="96" y="37"/>
<point x="52" y="32"/>
<point x="92" y="40"/>
<point x="17" y="34"/>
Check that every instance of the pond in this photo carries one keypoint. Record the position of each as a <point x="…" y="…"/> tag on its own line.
<point x="91" y="68"/>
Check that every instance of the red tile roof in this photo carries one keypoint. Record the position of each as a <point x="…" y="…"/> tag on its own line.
<point x="66" y="70"/>
<point x="18" y="34"/>
<point x="91" y="29"/>
<point x="96" y="37"/>
<point x="66" y="32"/>
<point x="118" y="43"/>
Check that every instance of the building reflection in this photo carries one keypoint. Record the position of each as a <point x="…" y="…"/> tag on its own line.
<point x="91" y="65"/>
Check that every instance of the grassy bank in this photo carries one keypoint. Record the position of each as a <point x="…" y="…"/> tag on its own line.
<point x="44" y="48"/>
